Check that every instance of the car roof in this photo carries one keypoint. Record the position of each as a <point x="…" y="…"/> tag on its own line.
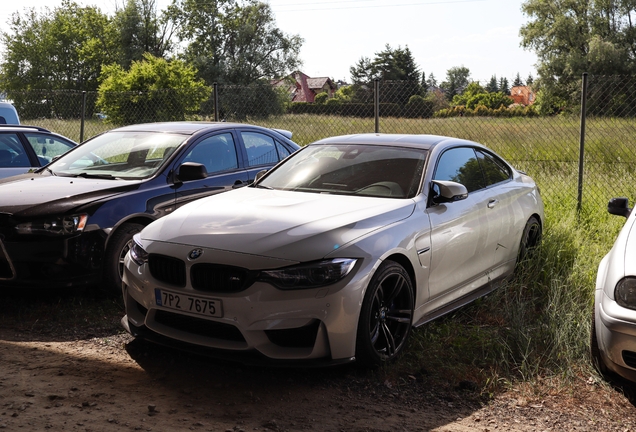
<point x="22" y="127"/>
<point x="186" y="128"/>
<point x="425" y="142"/>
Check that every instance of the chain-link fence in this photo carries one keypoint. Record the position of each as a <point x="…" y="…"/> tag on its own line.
<point x="569" y="162"/>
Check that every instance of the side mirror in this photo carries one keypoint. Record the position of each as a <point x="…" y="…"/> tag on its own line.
<point x="449" y="191"/>
<point x="191" y="171"/>
<point x="619" y="207"/>
<point x="259" y="175"/>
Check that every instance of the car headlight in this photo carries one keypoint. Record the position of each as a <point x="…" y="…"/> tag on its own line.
<point x="137" y="252"/>
<point x="625" y="293"/>
<point x="60" y="225"/>
<point x="309" y="275"/>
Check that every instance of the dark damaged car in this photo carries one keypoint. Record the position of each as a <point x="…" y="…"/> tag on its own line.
<point x="71" y="223"/>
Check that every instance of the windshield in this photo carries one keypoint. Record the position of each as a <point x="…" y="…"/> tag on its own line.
<point x="393" y="172"/>
<point x="125" y="155"/>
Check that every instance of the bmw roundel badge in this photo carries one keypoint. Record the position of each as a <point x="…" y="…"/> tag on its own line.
<point x="195" y="253"/>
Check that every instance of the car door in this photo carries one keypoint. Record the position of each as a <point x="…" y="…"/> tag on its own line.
<point x="14" y="158"/>
<point x="46" y="147"/>
<point x="502" y="194"/>
<point x="463" y="239"/>
<point x="262" y="151"/>
<point x="219" y="154"/>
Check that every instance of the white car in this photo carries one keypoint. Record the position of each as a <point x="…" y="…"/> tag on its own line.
<point x="334" y="254"/>
<point x="613" y="333"/>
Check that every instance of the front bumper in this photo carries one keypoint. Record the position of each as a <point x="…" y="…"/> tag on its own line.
<point x="314" y="326"/>
<point x="51" y="262"/>
<point x="616" y="335"/>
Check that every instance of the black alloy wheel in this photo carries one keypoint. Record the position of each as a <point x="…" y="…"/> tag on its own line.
<point x="386" y="316"/>
<point x="530" y="239"/>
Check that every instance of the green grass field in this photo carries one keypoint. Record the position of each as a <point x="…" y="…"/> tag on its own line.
<point x="538" y="325"/>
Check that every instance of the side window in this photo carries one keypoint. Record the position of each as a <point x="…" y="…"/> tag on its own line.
<point x="460" y="165"/>
<point x="47" y="147"/>
<point x="261" y="149"/>
<point x="217" y="153"/>
<point x="495" y="170"/>
<point x="12" y="153"/>
<point x="282" y="150"/>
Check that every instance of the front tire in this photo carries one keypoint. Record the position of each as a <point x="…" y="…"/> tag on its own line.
<point x="386" y="316"/>
<point x="595" y="352"/>
<point x="118" y="247"/>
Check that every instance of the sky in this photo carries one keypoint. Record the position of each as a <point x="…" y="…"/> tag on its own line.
<point x="482" y="35"/>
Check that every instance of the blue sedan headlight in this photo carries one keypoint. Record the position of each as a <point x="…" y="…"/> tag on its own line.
<point x="137" y="252"/>
<point x="60" y="225"/>
<point x="309" y="275"/>
<point x="625" y="293"/>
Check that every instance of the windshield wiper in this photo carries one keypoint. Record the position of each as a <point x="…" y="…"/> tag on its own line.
<point x="260" y="186"/>
<point x="97" y="176"/>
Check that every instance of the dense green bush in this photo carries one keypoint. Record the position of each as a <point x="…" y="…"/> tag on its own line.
<point x="151" y="90"/>
<point x="483" y="111"/>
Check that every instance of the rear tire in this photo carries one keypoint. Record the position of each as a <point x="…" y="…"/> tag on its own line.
<point x="118" y="247"/>
<point x="530" y="239"/>
<point x="386" y="316"/>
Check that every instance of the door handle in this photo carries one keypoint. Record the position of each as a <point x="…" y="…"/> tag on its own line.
<point x="492" y="203"/>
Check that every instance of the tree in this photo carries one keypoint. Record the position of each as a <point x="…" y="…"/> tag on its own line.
<point x="233" y="41"/>
<point x="575" y="36"/>
<point x="395" y="66"/>
<point x="503" y="86"/>
<point x="431" y="82"/>
<point x="153" y="89"/>
<point x="142" y="30"/>
<point x="493" y="85"/>
<point x="517" y="81"/>
<point x="457" y="79"/>
<point x="63" y="48"/>
<point x="389" y="65"/>
<point x="529" y="80"/>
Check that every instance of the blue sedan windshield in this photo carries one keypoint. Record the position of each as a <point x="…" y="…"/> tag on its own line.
<point x="128" y="155"/>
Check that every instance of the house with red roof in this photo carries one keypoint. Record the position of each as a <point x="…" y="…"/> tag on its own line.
<point x="303" y="88"/>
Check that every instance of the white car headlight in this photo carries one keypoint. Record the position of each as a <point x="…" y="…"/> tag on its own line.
<point x="137" y="252"/>
<point x="625" y="293"/>
<point x="60" y="225"/>
<point x="309" y="275"/>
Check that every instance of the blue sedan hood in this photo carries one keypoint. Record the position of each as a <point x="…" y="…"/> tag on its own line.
<point x="280" y="224"/>
<point x="34" y="194"/>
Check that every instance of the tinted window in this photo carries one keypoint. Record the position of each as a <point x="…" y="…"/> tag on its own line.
<point x="282" y="150"/>
<point x="47" y="147"/>
<point x="261" y="149"/>
<point x="495" y="170"/>
<point x="12" y="153"/>
<point x="217" y="153"/>
<point x="460" y="165"/>
<point x="388" y="172"/>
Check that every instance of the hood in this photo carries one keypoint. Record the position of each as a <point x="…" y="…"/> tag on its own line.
<point x="33" y="195"/>
<point x="280" y="224"/>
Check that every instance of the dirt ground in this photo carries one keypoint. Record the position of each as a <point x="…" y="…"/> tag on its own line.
<point x="92" y="379"/>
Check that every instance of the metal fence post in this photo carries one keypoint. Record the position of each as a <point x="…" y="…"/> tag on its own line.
<point x="216" y="101"/>
<point x="376" y="103"/>
<point x="582" y="141"/>
<point x="81" y="139"/>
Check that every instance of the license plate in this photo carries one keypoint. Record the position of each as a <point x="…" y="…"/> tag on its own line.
<point x="189" y="303"/>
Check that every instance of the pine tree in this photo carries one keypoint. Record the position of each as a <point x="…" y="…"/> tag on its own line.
<point x="492" y="86"/>
<point x="503" y="86"/>
<point x="517" y="81"/>
<point x="529" y="80"/>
